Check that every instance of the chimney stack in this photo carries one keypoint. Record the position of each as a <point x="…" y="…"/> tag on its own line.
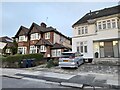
<point x="43" y="25"/>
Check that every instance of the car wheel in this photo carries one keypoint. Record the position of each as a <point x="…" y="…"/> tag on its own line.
<point x="77" y="65"/>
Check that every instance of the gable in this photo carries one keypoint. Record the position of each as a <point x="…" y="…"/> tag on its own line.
<point x="34" y="30"/>
<point x="22" y="31"/>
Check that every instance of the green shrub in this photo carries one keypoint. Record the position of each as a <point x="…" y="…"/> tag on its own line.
<point x="50" y="63"/>
<point x="13" y="60"/>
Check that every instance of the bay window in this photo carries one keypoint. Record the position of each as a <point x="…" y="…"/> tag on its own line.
<point x="113" y="23"/>
<point x="22" y="38"/>
<point x="99" y="26"/>
<point x="33" y="49"/>
<point x="78" y="31"/>
<point x="42" y="48"/>
<point x="56" y="53"/>
<point x="35" y="36"/>
<point x="108" y="24"/>
<point x="104" y="24"/>
<point x="82" y="30"/>
<point x="86" y="30"/>
<point x="22" y="50"/>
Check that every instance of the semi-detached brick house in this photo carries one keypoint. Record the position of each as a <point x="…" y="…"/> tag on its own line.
<point x="42" y="39"/>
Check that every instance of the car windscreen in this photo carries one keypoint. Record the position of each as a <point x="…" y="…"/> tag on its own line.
<point x="67" y="55"/>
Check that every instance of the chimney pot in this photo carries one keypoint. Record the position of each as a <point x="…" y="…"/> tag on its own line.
<point x="43" y="25"/>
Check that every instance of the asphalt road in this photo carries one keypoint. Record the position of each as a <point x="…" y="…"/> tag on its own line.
<point x="21" y="83"/>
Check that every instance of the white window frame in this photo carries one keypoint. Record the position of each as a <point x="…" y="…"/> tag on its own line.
<point x="35" y="36"/>
<point x="83" y="30"/>
<point x="53" y="53"/>
<point x="81" y="47"/>
<point x="42" y="48"/>
<point x="104" y="24"/>
<point x="22" y="38"/>
<point x="58" y="52"/>
<point x="99" y="25"/>
<point x="86" y="30"/>
<point x="33" y="49"/>
<point x="79" y="31"/>
<point x="109" y="24"/>
<point x="114" y="23"/>
<point x="47" y="35"/>
<point x="8" y="50"/>
<point x="22" y="50"/>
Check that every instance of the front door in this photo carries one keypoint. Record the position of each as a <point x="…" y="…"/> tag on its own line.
<point x="108" y="49"/>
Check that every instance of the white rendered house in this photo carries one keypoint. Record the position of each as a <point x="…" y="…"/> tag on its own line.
<point x="97" y="34"/>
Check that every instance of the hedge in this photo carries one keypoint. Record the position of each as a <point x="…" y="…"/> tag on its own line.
<point x="18" y="57"/>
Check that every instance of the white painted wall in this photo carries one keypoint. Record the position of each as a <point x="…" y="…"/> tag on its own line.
<point x="93" y="36"/>
<point x="89" y="40"/>
<point x="2" y="45"/>
<point x="106" y="34"/>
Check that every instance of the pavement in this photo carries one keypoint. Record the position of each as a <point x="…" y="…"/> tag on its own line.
<point x="80" y="80"/>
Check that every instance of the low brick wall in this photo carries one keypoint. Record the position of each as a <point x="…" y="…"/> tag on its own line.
<point x="106" y="61"/>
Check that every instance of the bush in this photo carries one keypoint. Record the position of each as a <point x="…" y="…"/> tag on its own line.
<point x="52" y="63"/>
<point x="14" y="60"/>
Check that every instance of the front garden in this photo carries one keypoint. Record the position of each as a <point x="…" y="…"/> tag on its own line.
<point x="25" y="61"/>
<point x="16" y="61"/>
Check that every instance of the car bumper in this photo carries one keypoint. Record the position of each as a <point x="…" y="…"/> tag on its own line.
<point x="67" y="65"/>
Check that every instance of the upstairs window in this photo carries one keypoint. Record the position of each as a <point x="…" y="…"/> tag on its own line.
<point x="113" y="23"/>
<point x="35" y="36"/>
<point x="86" y="30"/>
<point x="47" y="35"/>
<point x="79" y="31"/>
<point x="99" y="26"/>
<point x="104" y="24"/>
<point x="22" y="38"/>
<point x="82" y="30"/>
<point x="108" y="24"/>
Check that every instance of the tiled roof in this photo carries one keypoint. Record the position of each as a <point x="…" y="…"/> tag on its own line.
<point x="42" y="41"/>
<point x="47" y="29"/>
<point x="58" y="46"/>
<point x="9" y="45"/>
<point x="98" y="14"/>
<point x="24" y="31"/>
<point x="5" y="39"/>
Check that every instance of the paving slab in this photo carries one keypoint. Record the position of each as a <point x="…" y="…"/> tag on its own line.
<point x="72" y="84"/>
<point x="82" y="79"/>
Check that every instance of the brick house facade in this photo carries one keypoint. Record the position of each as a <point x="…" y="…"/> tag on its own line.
<point x="42" y="39"/>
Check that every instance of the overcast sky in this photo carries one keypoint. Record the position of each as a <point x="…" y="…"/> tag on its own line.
<point x="60" y="15"/>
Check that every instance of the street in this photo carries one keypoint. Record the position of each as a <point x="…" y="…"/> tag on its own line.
<point x="22" y="83"/>
<point x="20" y="78"/>
<point x="13" y="84"/>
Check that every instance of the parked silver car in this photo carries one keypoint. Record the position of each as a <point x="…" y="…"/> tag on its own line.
<point x="70" y="59"/>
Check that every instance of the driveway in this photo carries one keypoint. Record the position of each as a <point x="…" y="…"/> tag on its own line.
<point x="103" y="69"/>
